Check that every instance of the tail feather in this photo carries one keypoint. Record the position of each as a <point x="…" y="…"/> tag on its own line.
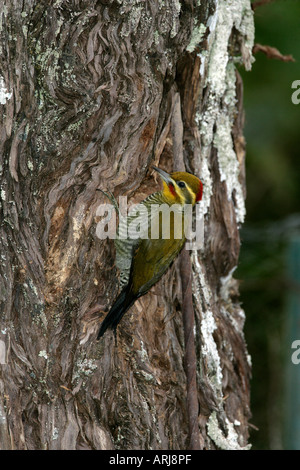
<point x="118" y="309"/>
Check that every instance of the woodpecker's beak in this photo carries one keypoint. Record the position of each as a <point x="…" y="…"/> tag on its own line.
<point x="165" y="176"/>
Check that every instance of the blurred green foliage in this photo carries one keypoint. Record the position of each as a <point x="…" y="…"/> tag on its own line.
<point x="272" y="131"/>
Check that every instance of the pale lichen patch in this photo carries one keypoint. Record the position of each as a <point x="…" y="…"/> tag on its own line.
<point x="43" y="354"/>
<point x="229" y="442"/>
<point x="229" y="165"/>
<point x="197" y="35"/>
<point x="5" y="95"/>
<point x="210" y="352"/>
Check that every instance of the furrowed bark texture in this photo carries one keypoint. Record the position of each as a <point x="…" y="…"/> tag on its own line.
<point x="87" y="96"/>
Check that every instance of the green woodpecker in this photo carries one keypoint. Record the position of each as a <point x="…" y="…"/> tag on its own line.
<point x="143" y="260"/>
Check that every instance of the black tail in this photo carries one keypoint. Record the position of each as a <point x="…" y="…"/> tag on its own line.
<point x="121" y="305"/>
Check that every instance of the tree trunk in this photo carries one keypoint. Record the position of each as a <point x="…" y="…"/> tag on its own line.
<point x="92" y="94"/>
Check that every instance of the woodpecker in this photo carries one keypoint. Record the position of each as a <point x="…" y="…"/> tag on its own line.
<point x="143" y="260"/>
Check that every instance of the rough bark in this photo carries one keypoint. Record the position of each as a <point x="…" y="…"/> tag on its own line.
<point x="87" y="93"/>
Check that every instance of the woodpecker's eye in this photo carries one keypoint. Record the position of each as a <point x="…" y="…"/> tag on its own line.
<point x="181" y="184"/>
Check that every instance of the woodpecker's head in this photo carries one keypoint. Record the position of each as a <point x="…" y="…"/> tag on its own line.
<point x="181" y="187"/>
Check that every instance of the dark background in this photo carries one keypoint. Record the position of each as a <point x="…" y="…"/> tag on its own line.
<point x="269" y="267"/>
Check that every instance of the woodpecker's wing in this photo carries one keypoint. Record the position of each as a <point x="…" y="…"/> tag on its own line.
<point x="151" y="260"/>
<point x="131" y="230"/>
<point x="153" y="256"/>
